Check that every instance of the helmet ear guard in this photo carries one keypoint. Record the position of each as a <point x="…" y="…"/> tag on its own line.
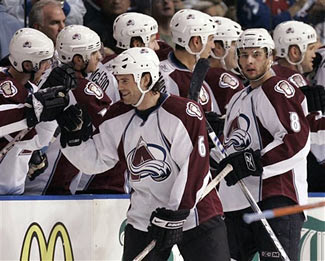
<point x="31" y="45"/>
<point x="130" y="25"/>
<point x="77" y="40"/>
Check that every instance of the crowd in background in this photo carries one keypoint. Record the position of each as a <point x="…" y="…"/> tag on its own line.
<point x="99" y="15"/>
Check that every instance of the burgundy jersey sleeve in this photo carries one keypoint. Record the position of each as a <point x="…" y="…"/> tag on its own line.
<point x="293" y="125"/>
<point x="223" y="85"/>
<point x="193" y="160"/>
<point x="93" y="98"/>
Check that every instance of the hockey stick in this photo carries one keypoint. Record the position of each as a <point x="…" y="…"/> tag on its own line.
<point x="10" y="145"/>
<point x="279" y="212"/>
<point x="198" y="76"/>
<point x="206" y="191"/>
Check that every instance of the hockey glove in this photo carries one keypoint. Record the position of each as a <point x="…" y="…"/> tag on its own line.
<point x="315" y="96"/>
<point x="45" y="105"/>
<point x="244" y="163"/>
<point x="76" y="126"/>
<point x="62" y="75"/>
<point x="37" y="164"/>
<point x="166" y="227"/>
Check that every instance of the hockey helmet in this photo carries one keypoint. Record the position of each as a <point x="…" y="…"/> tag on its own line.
<point x="130" y="25"/>
<point x="77" y="39"/>
<point x="29" y="44"/>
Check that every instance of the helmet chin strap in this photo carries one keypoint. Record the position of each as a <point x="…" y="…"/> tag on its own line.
<point x="221" y="58"/>
<point x="298" y="64"/>
<point x="143" y="93"/>
<point x="197" y="55"/>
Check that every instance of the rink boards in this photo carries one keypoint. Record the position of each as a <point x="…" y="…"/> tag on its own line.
<point x="87" y="227"/>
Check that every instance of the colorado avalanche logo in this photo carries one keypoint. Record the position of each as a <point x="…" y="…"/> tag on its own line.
<point x="190" y="16"/>
<point x="228" y="81"/>
<point x="94" y="89"/>
<point x="285" y="88"/>
<point x="238" y="135"/>
<point x="290" y="30"/>
<point x="144" y="51"/>
<point x="130" y="22"/>
<point x="76" y="37"/>
<point x="297" y="80"/>
<point x="7" y="89"/>
<point x="193" y="110"/>
<point x="27" y="44"/>
<point x="142" y="162"/>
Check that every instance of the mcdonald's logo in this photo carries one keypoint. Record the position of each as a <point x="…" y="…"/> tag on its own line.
<point x="46" y="248"/>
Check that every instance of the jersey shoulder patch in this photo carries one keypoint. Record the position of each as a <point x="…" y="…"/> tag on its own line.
<point x="298" y="80"/>
<point x="93" y="89"/>
<point x="228" y="81"/>
<point x="8" y="89"/>
<point x="285" y="88"/>
<point x="193" y="110"/>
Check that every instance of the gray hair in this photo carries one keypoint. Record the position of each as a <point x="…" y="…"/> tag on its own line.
<point x="36" y="14"/>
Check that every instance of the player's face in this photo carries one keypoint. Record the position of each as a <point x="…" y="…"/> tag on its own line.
<point x="153" y="44"/>
<point x="128" y="89"/>
<point x="307" y="62"/>
<point x="208" y="47"/>
<point x="44" y="65"/>
<point x="115" y="7"/>
<point x="53" y="21"/>
<point x="253" y="62"/>
<point x="231" y="59"/>
<point x="95" y="58"/>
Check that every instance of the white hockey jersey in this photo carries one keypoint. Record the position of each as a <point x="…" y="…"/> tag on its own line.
<point x="269" y="118"/>
<point x="167" y="157"/>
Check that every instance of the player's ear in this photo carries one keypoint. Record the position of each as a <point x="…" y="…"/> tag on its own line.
<point x="145" y="80"/>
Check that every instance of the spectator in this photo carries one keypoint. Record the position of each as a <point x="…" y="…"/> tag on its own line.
<point x="103" y="22"/>
<point x="163" y="11"/>
<point x="8" y="26"/>
<point x="74" y="10"/>
<point x="211" y="7"/>
<point x="47" y="16"/>
<point x="261" y="14"/>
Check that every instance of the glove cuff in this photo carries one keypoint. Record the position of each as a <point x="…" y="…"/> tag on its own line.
<point x="168" y="224"/>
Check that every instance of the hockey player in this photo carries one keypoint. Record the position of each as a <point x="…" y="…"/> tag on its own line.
<point x="22" y="107"/>
<point x="130" y="30"/>
<point x="295" y="43"/>
<point x="148" y="128"/>
<point x="265" y="118"/>
<point x="78" y="49"/>
<point x="222" y="77"/>
<point x="192" y="32"/>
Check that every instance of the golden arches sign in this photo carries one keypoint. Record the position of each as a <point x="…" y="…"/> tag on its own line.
<point x="46" y="249"/>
